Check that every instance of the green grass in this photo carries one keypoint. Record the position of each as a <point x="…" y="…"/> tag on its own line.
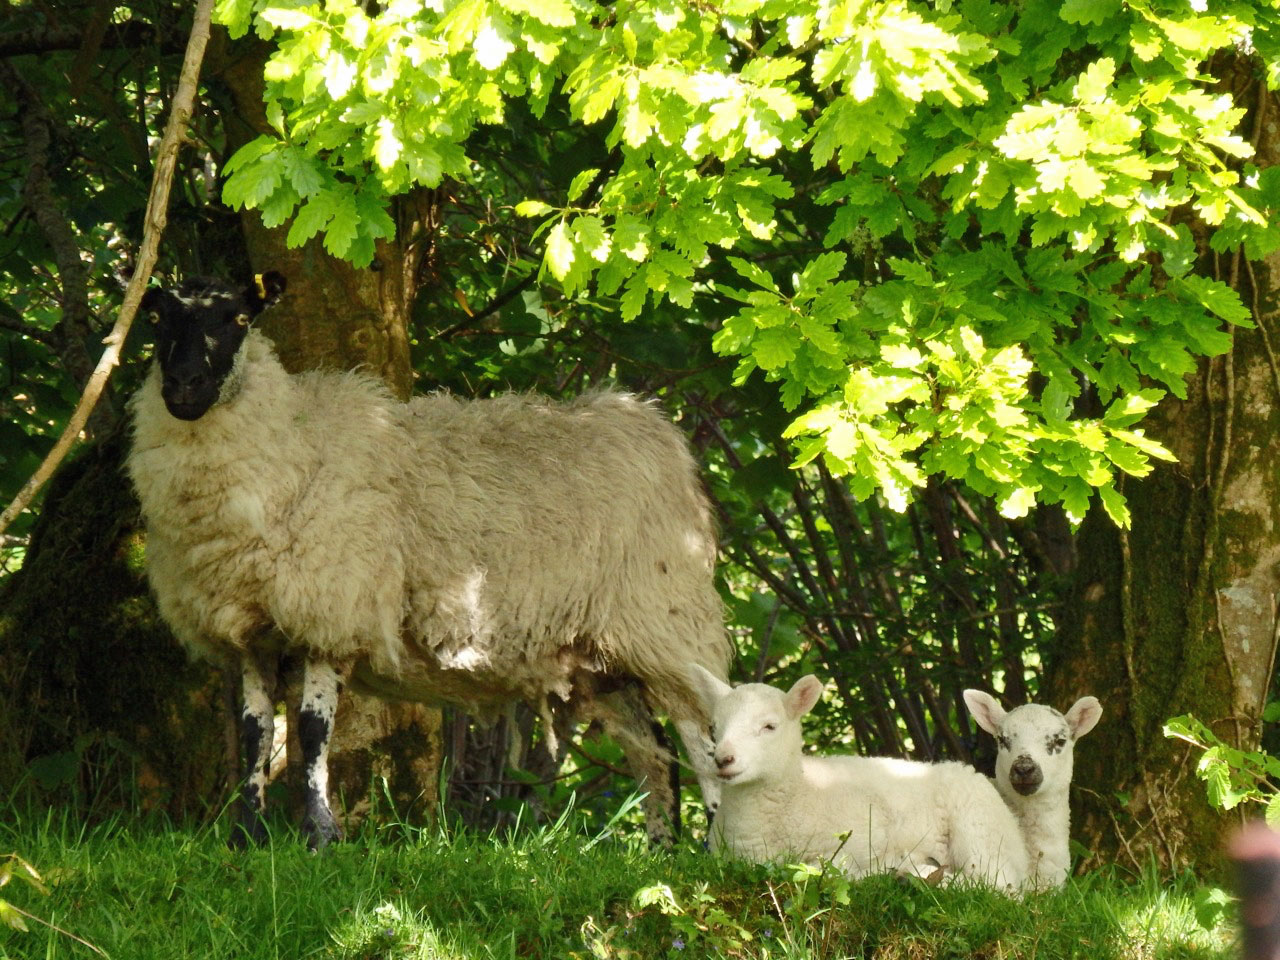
<point x="139" y="891"/>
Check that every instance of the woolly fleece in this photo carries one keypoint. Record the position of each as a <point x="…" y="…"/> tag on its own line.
<point x="460" y="551"/>
<point x="898" y="815"/>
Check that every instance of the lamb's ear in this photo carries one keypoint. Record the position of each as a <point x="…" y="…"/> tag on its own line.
<point x="986" y="711"/>
<point x="706" y="685"/>
<point x="1084" y="716"/>
<point x="802" y="696"/>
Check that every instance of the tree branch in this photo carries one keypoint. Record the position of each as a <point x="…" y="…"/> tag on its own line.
<point x="41" y="200"/>
<point x="130" y="35"/>
<point x="48" y="337"/>
<point x="154" y="224"/>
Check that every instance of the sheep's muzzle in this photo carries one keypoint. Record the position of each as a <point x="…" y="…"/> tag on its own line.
<point x="1025" y="776"/>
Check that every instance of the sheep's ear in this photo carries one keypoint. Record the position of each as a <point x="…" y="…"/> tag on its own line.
<point x="271" y="286"/>
<point x="801" y="697"/>
<point x="267" y="288"/>
<point x="154" y="301"/>
<point x="986" y="711"/>
<point x="706" y="685"/>
<point x="1084" y="716"/>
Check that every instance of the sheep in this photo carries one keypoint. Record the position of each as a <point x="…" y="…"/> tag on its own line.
<point x="441" y="550"/>
<point x="863" y="814"/>
<point x="1035" y="750"/>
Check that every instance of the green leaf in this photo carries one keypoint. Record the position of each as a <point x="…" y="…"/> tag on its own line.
<point x="1096" y="12"/>
<point x="532" y="208"/>
<point x="287" y="18"/>
<point x="304" y="173"/>
<point x="1018" y="503"/>
<point x="1114" y="503"/>
<point x="1273" y="812"/>
<point x="344" y="226"/>
<point x="313" y="217"/>
<point x="11" y="918"/>
<point x="560" y="251"/>
<point x="775" y="347"/>
<point x="580" y="183"/>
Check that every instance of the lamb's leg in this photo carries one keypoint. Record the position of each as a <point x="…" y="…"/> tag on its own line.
<point x="989" y="853"/>
<point x="257" y="729"/>
<point x="321" y="683"/>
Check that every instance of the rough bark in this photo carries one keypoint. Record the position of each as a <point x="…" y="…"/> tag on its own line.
<point x="1178" y="615"/>
<point x="99" y="707"/>
<point x="337" y="317"/>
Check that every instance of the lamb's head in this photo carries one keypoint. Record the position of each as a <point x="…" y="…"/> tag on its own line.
<point x="755" y="728"/>
<point x="200" y="327"/>
<point x="1036" y="743"/>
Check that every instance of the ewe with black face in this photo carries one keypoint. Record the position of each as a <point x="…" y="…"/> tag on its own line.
<point x="440" y="550"/>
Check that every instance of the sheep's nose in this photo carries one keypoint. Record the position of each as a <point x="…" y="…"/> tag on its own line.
<point x="725" y="761"/>
<point x="179" y="380"/>
<point x="1025" y="775"/>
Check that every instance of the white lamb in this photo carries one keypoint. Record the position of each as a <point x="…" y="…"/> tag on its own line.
<point x="1036" y="748"/>
<point x="864" y="814"/>
<point x="441" y="550"/>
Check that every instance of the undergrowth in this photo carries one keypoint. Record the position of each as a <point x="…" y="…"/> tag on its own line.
<point x="137" y="890"/>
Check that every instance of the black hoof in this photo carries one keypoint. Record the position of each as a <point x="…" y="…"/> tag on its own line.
<point x="321" y="830"/>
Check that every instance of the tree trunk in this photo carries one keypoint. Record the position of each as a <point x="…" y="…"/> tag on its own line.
<point x="1178" y="615"/>
<point x="337" y="317"/>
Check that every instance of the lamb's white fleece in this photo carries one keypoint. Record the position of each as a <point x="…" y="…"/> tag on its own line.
<point x="865" y="814"/>
<point x="1034" y="765"/>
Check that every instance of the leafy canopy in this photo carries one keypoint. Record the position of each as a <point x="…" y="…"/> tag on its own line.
<point x="955" y="235"/>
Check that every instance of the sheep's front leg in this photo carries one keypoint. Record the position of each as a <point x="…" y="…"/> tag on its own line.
<point x="257" y="730"/>
<point x="321" y="683"/>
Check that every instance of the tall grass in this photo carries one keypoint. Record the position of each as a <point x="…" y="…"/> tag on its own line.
<point x="147" y="890"/>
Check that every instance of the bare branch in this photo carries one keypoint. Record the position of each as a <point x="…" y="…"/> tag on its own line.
<point x="48" y="337"/>
<point x="154" y="224"/>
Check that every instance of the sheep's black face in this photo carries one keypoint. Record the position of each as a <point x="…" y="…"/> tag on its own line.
<point x="199" y="330"/>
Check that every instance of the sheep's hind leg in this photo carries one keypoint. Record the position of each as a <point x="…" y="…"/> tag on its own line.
<point x="257" y="729"/>
<point x="321" y="684"/>
<point x="627" y="718"/>
<point x="700" y="748"/>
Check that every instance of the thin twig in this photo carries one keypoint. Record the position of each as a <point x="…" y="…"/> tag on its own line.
<point x="154" y="224"/>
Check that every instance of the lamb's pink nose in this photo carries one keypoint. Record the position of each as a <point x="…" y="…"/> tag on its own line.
<point x="723" y="762"/>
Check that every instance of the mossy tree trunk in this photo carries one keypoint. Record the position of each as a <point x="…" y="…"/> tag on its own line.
<point x="336" y="317"/>
<point x="1178" y="614"/>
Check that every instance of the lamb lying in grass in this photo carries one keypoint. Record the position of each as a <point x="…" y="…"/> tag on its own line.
<point x="864" y="814"/>
<point x="1033" y="773"/>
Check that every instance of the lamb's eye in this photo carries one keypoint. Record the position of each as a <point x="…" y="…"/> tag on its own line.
<point x="1003" y="741"/>
<point x="768" y="727"/>
<point x="1060" y="742"/>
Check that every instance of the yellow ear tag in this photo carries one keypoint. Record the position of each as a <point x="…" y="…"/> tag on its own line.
<point x="262" y="287"/>
<point x="243" y="319"/>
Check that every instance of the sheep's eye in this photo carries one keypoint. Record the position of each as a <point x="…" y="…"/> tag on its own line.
<point x="1003" y="741"/>
<point x="1060" y="742"/>
<point x="770" y="726"/>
